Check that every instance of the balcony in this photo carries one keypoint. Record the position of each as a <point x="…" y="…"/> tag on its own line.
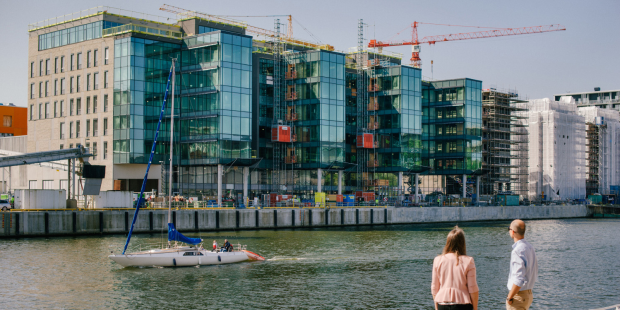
<point x="291" y="75"/>
<point x="373" y="87"/>
<point x="291" y="96"/>
<point x="290" y="159"/>
<point x="293" y="138"/>
<point x="373" y="163"/>
<point x="291" y="117"/>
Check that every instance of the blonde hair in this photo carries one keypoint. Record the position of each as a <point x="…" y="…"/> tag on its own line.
<point x="455" y="243"/>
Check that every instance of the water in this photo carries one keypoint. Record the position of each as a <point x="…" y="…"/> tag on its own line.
<point x="346" y="268"/>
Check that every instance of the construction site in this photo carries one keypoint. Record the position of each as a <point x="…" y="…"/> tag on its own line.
<point x="267" y="115"/>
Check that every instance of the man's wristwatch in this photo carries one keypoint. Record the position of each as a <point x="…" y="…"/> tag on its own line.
<point x="509" y="299"/>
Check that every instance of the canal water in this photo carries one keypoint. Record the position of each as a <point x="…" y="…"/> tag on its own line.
<point x="341" y="268"/>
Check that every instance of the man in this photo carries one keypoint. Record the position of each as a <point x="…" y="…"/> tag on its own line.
<point x="226" y="245"/>
<point x="523" y="269"/>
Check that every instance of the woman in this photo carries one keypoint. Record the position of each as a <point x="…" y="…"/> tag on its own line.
<point x="454" y="284"/>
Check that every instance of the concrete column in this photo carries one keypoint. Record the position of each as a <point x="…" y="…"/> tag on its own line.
<point x="417" y="187"/>
<point x="340" y="174"/>
<point x="246" y="175"/>
<point x="477" y="189"/>
<point x="464" y="186"/>
<point x="319" y="180"/>
<point x="68" y="178"/>
<point x="220" y="173"/>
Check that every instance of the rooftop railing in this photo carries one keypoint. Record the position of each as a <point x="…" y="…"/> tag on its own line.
<point x="142" y="29"/>
<point x="96" y="11"/>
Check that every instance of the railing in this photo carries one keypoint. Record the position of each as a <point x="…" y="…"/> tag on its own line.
<point x="291" y="96"/>
<point x="373" y="107"/>
<point x="291" y="159"/>
<point x="291" y="75"/>
<point x="373" y="163"/>
<point x="141" y="29"/>
<point x="373" y="87"/>
<point x="291" y="117"/>
<point x="373" y="126"/>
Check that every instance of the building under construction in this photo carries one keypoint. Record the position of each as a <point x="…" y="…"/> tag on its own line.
<point x="504" y="143"/>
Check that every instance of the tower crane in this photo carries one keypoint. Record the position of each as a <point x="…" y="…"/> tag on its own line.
<point x="183" y="13"/>
<point x="416" y="61"/>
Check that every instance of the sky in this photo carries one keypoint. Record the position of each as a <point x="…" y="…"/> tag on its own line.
<point x="536" y="65"/>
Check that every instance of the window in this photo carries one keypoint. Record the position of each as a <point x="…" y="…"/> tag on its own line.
<point x="71" y="107"/>
<point x="78" y="106"/>
<point x="71" y="61"/>
<point x="62" y="86"/>
<point x="87" y="105"/>
<point x="77" y="129"/>
<point x="94" y="104"/>
<point x="96" y="80"/>
<point x="40" y="111"/>
<point x="62" y="108"/>
<point x="79" y="61"/>
<point x="88" y="59"/>
<point x="32" y="91"/>
<point x="47" y="110"/>
<point x="41" y="68"/>
<point x="71" y="85"/>
<point x="55" y="109"/>
<point x="47" y="67"/>
<point x="88" y="128"/>
<point x="88" y="82"/>
<point x="7" y="121"/>
<point x="32" y="69"/>
<point x="71" y="145"/>
<point x="105" y="79"/>
<point x="95" y="55"/>
<point x="105" y="103"/>
<point x="62" y="146"/>
<point x="95" y="127"/>
<point x="55" y="65"/>
<point x="105" y="150"/>
<point x="70" y="132"/>
<point x="105" y="126"/>
<point x="56" y="87"/>
<point x="106" y="53"/>
<point x="62" y="133"/>
<point x="47" y="86"/>
<point x="31" y="113"/>
<point x="40" y="89"/>
<point x="94" y="150"/>
<point x="77" y="84"/>
<point x="62" y="64"/>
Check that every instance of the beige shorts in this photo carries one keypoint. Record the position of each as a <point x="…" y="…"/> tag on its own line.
<point x="521" y="301"/>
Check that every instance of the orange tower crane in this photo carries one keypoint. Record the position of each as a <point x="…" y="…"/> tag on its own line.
<point x="416" y="61"/>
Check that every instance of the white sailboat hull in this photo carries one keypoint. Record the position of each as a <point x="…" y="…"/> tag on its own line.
<point x="178" y="258"/>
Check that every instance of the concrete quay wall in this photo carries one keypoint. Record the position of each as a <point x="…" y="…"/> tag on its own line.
<point x="71" y="222"/>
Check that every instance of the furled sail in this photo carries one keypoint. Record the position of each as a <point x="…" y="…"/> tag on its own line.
<point x="174" y="235"/>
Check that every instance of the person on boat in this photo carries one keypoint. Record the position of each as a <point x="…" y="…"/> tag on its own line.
<point x="214" y="246"/>
<point x="226" y="245"/>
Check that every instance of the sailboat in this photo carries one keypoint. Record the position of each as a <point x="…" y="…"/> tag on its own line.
<point x="192" y="254"/>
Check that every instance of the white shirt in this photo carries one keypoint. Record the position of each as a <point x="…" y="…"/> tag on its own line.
<point x="523" y="266"/>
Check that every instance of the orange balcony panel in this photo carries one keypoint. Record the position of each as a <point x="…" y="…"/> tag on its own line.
<point x="373" y="163"/>
<point x="291" y="96"/>
<point x="291" y="117"/>
<point x="290" y="159"/>
<point x="291" y="75"/>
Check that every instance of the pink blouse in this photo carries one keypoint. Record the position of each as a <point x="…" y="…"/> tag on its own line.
<point x="452" y="283"/>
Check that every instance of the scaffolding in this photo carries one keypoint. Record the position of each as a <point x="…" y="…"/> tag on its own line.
<point x="504" y="143"/>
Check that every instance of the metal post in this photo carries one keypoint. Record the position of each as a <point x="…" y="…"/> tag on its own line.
<point x="417" y="187"/>
<point x="401" y="185"/>
<point x="73" y="179"/>
<point x="68" y="178"/>
<point x="464" y="186"/>
<point x="340" y="173"/>
<point x="246" y="175"/>
<point x="171" y="146"/>
<point x="3" y="186"/>
<point x="319" y="180"/>
<point x="478" y="190"/>
<point x="219" y="185"/>
<point x="10" y="168"/>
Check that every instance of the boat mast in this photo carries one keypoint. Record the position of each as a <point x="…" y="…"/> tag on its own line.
<point x="171" y="146"/>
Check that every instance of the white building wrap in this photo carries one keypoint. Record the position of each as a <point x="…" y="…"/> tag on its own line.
<point x="557" y="150"/>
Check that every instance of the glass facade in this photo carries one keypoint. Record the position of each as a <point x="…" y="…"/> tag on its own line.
<point x="452" y="126"/>
<point x="75" y="34"/>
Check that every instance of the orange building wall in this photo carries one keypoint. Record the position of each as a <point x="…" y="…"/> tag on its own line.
<point x="20" y="120"/>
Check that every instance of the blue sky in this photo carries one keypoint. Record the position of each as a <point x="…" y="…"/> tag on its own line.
<point x="539" y="65"/>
